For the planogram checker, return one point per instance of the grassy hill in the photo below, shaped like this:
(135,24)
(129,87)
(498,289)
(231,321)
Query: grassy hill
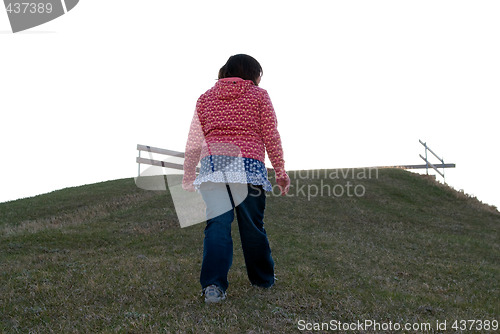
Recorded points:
(110,257)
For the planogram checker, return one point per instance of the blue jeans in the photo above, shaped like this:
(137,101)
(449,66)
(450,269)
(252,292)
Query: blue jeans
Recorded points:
(218,244)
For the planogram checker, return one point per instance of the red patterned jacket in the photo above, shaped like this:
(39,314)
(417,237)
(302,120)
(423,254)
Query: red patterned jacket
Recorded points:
(237,112)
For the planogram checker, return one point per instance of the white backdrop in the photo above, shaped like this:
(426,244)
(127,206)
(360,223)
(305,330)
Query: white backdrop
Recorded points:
(354,83)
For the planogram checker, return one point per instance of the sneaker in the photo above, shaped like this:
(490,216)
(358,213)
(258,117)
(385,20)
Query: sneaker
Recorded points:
(213,294)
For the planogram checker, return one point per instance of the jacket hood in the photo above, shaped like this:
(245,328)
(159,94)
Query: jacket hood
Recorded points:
(231,88)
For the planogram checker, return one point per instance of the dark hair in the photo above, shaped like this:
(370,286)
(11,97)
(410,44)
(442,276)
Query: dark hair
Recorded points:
(241,66)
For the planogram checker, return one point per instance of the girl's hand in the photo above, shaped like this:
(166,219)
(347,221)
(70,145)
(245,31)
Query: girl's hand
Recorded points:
(188,187)
(284,185)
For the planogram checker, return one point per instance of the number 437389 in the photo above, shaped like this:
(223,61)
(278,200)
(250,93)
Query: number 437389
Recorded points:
(29,7)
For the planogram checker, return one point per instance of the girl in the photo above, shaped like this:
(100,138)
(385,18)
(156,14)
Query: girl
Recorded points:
(233,126)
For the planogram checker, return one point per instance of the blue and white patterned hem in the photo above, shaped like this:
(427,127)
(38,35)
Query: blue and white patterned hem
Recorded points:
(227,169)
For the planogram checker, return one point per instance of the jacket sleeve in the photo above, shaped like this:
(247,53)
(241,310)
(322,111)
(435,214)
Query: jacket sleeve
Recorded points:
(192,151)
(271,137)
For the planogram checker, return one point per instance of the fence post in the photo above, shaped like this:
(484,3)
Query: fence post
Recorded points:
(444,179)
(426,163)
(139,166)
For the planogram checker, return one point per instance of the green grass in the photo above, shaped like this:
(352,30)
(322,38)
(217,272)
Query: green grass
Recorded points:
(110,257)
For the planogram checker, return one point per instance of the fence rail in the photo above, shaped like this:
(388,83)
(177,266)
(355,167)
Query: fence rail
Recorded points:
(160,151)
(449,165)
(145,148)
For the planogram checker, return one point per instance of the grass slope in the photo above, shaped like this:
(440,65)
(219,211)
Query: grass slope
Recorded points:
(110,257)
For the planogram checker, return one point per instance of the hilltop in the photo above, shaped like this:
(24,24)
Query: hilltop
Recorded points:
(390,246)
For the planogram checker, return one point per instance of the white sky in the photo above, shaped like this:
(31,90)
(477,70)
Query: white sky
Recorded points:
(354,83)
